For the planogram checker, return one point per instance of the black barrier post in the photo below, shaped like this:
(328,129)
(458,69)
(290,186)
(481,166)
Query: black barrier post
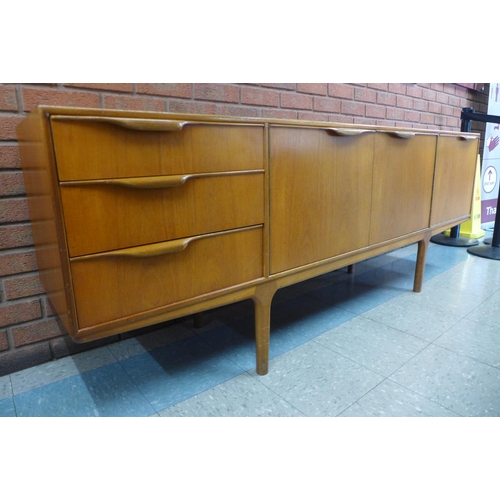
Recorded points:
(486,251)
(454,239)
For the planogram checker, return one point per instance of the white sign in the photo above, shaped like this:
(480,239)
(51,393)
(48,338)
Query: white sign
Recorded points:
(489,179)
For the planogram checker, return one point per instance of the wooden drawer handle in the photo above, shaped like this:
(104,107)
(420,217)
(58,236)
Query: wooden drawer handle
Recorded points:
(347,131)
(157,249)
(155,182)
(164,181)
(130,123)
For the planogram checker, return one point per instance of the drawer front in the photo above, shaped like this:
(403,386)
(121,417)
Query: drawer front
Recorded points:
(109,287)
(104,147)
(102,216)
(402,184)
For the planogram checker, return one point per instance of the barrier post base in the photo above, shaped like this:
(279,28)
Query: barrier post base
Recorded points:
(442,239)
(486,252)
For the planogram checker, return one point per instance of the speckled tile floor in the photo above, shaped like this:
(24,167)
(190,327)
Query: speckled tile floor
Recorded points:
(341,346)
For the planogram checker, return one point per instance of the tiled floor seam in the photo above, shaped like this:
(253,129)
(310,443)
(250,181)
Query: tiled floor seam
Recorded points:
(198,393)
(257,378)
(365,367)
(421,395)
(406,333)
(387,378)
(137,387)
(465,356)
(407,388)
(14,404)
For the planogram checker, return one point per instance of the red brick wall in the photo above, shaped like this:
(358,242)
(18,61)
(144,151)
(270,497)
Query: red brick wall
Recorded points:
(29,332)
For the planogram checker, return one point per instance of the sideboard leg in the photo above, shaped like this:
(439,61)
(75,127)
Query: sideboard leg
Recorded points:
(262,302)
(351,269)
(420,267)
(198,320)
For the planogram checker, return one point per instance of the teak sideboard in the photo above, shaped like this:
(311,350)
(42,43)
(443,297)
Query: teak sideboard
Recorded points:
(142,217)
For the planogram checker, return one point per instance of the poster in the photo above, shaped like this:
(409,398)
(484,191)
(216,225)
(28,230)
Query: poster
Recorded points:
(490,171)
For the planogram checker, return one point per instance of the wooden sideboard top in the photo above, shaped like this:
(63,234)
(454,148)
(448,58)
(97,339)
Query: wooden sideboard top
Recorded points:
(198,118)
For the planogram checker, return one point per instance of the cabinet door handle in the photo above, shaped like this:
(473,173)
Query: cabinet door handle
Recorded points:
(130,123)
(158,249)
(403,135)
(460,137)
(155,182)
(347,131)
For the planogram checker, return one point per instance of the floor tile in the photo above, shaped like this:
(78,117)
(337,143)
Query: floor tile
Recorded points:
(355,298)
(53,371)
(103,392)
(7,407)
(398,275)
(127,348)
(475,340)
(472,276)
(5,387)
(317,381)
(408,314)
(456,382)
(150,341)
(306,317)
(242,396)
(292,324)
(391,400)
(228,340)
(457,303)
(378,347)
(443,257)
(488,312)
(181,370)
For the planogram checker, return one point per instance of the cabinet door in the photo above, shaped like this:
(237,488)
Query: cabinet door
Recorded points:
(402,184)
(320,184)
(454,182)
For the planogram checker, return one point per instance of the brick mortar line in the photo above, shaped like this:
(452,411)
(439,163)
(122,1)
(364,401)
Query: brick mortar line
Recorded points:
(24,300)
(19,98)
(27,298)
(10,341)
(33,322)
(4,251)
(15,223)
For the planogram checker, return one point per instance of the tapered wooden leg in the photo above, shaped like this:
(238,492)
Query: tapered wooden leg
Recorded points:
(198,320)
(351,268)
(262,302)
(420,267)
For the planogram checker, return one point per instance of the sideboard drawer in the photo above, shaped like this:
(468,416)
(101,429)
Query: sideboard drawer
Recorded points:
(120,284)
(112,147)
(119,213)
